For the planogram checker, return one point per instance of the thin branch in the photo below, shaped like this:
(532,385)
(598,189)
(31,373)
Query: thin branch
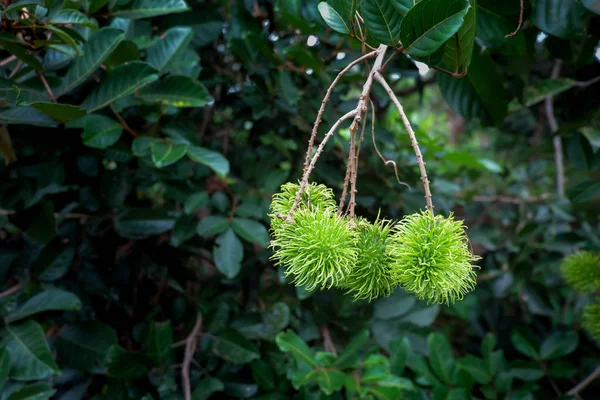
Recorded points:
(7,61)
(346,182)
(15,69)
(510,199)
(413,140)
(315,129)
(11,290)
(581,385)
(190,348)
(45,82)
(522,6)
(329,346)
(353,169)
(556,140)
(123,122)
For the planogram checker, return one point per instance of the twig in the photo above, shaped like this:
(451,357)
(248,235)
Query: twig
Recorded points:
(15,69)
(522,6)
(353,170)
(45,82)
(413,139)
(556,140)
(329,346)
(11,290)
(346,182)
(581,385)
(190,348)
(313,134)
(510,199)
(123,122)
(7,61)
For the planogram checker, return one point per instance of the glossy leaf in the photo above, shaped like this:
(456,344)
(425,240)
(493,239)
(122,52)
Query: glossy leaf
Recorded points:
(562,18)
(559,344)
(165,152)
(210,158)
(14,47)
(525,343)
(382,21)
(212,225)
(33,391)
(233,347)
(251,231)
(49,300)
(228,254)
(458,50)
(20,4)
(73,17)
(138,9)
(290,342)
(59,112)
(169,47)
(159,341)
(440,356)
(138,223)
(99,131)
(26,116)
(195,202)
(123,81)
(84,346)
(592,5)
(206,388)
(275,319)
(329,380)
(333,18)
(65,37)
(98,47)
(177,91)
(476,368)
(29,352)
(404,5)
(427,26)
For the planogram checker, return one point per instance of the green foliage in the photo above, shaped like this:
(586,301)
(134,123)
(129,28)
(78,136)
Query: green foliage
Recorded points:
(432,258)
(581,271)
(591,319)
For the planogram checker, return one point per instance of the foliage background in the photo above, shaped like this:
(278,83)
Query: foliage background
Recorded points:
(133,209)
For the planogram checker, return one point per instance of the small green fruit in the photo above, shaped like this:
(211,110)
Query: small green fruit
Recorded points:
(316,248)
(432,258)
(591,319)
(581,271)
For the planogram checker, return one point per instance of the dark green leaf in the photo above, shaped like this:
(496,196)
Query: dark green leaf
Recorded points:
(263,374)
(123,364)
(20,4)
(29,352)
(459,49)
(26,116)
(289,342)
(54,261)
(525,343)
(404,5)
(231,346)
(440,356)
(195,202)
(427,25)
(347,357)
(49,300)
(65,37)
(562,18)
(329,380)
(14,47)
(140,146)
(151,8)
(98,47)
(212,225)
(275,319)
(123,81)
(85,346)
(73,17)
(138,223)
(125,52)
(33,391)
(251,231)
(592,5)
(99,131)
(159,341)
(165,152)
(59,112)
(177,91)
(382,21)
(475,367)
(333,18)
(184,229)
(170,46)
(5,364)
(206,388)
(399,352)
(210,158)
(228,254)
(527,370)
(559,344)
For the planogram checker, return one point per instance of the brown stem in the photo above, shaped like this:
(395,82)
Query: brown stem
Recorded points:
(353,170)
(7,61)
(11,290)
(522,6)
(45,82)
(413,140)
(556,140)
(123,122)
(581,385)
(190,349)
(328,343)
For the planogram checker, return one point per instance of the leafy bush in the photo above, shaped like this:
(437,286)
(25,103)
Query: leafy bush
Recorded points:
(143,141)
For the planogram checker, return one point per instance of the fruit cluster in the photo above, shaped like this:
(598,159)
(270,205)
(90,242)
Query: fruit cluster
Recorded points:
(581,271)
(424,254)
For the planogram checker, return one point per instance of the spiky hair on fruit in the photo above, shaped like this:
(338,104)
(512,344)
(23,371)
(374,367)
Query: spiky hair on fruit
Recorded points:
(432,258)
(316,248)
(581,271)
(314,196)
(371,276)
(591,319)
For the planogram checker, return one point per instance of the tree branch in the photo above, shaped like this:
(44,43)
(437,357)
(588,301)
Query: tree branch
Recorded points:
(513,33)
(190,348)
(556,140)
(581,385)
(11,290)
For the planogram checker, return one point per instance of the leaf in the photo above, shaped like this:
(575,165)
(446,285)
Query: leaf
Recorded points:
(20,4)
(329,380)
(169,47)
(479,94)
(548,87)
(559,344)
(399,352)
(5,365)
(125,52)
(346,357)
(404,5)
(427,25)
(29,352)
(98,47)
(525,343)
(275,319)
(399,303)
(476,369)
(289,342)
(99,131)
(232,346)
(165,152)
(49,300)
(592,5)
(228,254)
(210,158)
(459,49)
(54,261)
(417,363)
(33,391)
(382,21)
(159,341)
(65,37)
(493,24)
(84,346)
(206,388)
(137,223)
(251,231)
(26,116)
(150,8)
(195,202)
(184,229)
(440,356)
(59,112)
(212,225)
(177,91)
(20,52)
(73,17)
(127,365)
(123,81)
(563,18)
(333,18)
(140,146)
(262,374)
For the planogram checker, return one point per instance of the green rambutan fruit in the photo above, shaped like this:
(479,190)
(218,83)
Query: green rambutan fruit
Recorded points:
(314,196)
(316,248)
(591,319)
(371,275)
(432,258)
(581,271)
